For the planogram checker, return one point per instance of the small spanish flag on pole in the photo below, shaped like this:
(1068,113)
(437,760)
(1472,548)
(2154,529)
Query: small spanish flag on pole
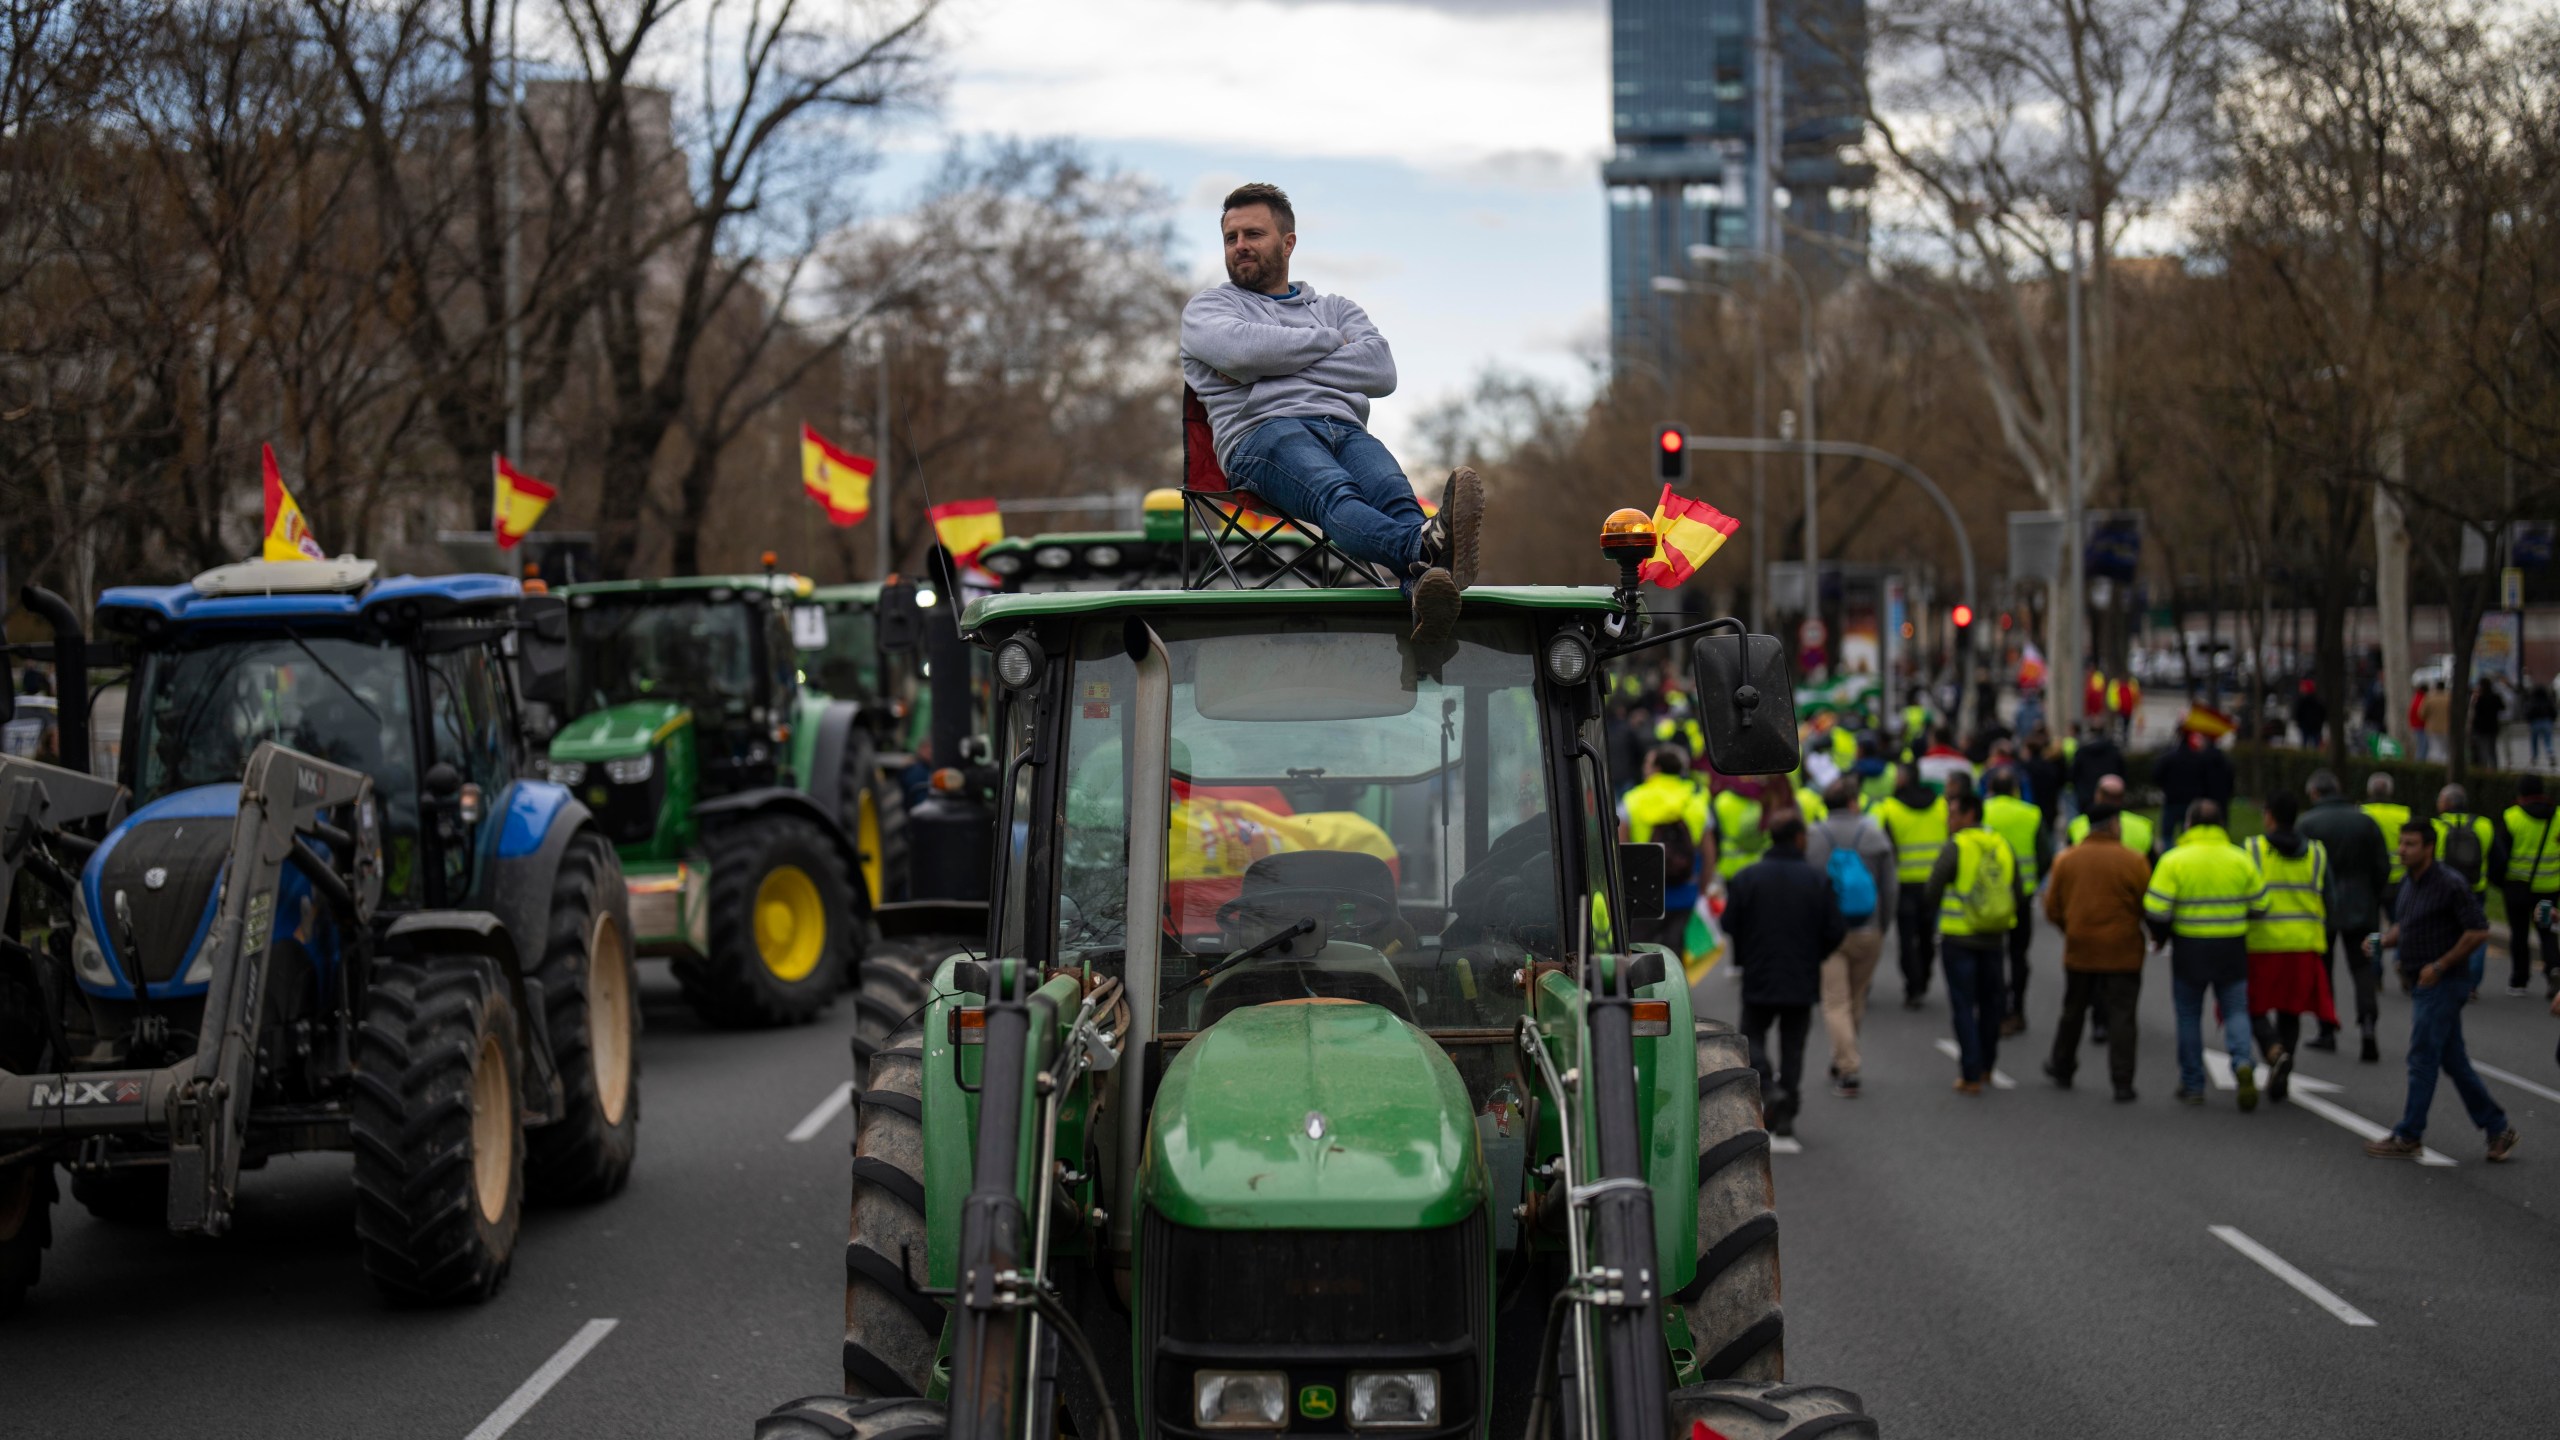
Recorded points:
(838,479)
(966,527)
(520,502)
(288,536)
(1685,533)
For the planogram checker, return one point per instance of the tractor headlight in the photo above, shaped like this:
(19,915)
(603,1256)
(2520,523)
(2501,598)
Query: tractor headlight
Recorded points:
(1239,1400)
(1102,557)
(566,772)
(1568,658)
(87,959)
(1053,557)
(1019,662)
(1395,1399)
(631,770)
(1001,564)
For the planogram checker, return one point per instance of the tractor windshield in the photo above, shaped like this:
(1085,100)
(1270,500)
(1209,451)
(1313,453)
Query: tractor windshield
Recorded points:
(701,652)
(848,665)
(1348,821)
(206,706)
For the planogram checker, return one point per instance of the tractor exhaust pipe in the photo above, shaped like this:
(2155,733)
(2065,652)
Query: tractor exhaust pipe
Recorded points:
(70,673)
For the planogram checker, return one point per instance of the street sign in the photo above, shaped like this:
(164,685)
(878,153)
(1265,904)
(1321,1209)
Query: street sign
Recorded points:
(2511,588)
(1812,634)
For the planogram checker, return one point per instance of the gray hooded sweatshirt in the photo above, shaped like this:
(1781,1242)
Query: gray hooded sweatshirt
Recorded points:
(1253,357)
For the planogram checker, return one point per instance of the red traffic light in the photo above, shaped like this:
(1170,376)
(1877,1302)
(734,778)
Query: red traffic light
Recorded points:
(1672,441)
(1963,616)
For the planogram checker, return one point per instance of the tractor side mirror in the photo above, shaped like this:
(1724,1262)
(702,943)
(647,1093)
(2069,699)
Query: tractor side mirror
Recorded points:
(901,620)
(442,783)
(1746,704)
(1643,872)
(542,648)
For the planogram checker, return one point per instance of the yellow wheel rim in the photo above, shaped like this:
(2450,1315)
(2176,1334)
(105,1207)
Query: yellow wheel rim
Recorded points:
(493,1113)
(866,827)
(609,1016)
(791,923)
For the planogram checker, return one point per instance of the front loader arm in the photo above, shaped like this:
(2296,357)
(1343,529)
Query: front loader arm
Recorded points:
(37,802)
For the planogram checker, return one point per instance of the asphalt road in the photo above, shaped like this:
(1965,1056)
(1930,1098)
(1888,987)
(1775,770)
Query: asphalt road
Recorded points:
(2032,1263)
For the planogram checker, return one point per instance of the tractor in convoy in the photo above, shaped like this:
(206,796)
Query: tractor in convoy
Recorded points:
(325,906)
(1305,1080)
(756,814)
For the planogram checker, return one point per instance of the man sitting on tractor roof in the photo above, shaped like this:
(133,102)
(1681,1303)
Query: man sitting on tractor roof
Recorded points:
(1286,375)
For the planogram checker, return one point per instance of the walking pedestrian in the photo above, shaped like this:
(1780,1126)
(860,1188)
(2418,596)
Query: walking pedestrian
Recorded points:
(1668,809)
(2134,829)
(1855,853)
(1741,813)
(1914,817)
(2096,757)
(2094,897)
(1977,888)
(2022,825)
(2463,840)
(2488,713)
(2196,770)
(2202,894)
(2526,861)
(2359,873)
(2541,708)
(2437,713)
(2287,936)
(2437,926)
(1782,918)
(2387,816)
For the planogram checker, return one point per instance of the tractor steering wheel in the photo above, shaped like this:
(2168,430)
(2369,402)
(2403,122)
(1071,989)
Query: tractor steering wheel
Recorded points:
(1267,910)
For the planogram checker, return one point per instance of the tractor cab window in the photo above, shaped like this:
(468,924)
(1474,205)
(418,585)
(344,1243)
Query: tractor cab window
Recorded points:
(700,653)
(1348,820)
(849,665)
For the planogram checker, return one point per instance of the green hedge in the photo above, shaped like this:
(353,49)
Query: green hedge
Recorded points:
(2262,770)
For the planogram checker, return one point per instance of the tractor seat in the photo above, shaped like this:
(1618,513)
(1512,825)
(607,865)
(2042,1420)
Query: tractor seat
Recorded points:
(1370,979)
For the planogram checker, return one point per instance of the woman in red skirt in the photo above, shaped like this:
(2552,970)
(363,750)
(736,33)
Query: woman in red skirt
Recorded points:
(2288,933)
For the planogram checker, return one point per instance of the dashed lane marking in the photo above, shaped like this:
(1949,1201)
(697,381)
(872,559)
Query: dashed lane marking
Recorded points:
(819,1119)
(1785,1145)
(2274,1264)
(539,1384)
(2518,1081)
(2306,1092)
(1999,1078)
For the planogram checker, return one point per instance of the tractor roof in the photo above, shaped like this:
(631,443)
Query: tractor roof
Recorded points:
(865,593)
(781,583)
(995,609)
(341,589)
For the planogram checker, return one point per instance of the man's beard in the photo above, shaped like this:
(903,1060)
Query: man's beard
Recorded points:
(1248,272)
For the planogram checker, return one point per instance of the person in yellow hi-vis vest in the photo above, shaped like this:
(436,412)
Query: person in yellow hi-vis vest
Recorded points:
(1914,818)
(2527,864)
(2022,825)
(2463,840)
(1979,891)
(2134,830)
(1740,831)
(2387,817)
(2202,894)
(2288,939)
(1668,809)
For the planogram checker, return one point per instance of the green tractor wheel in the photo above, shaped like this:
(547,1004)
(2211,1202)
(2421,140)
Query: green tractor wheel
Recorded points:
(439,1132)
(875,810)
(589,992)
(893,983)
(1732,1304)
(1744,1410)
(890,1330)
(783,924)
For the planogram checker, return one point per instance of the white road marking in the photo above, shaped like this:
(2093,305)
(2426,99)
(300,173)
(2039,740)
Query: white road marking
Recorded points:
(2347,1119)
(539,1384)
(2217,1066)
(1785,1145)
(1999,1078)
(2521,1083)
(825,1115)
(2274,1264)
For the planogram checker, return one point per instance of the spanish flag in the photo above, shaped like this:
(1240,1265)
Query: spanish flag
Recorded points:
(838,479)
(966,527)
(2203,719)
(1247,519)
(1685,533)
(288,537)
(520,502)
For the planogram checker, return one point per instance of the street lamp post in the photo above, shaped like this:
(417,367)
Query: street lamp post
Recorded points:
(1812,431)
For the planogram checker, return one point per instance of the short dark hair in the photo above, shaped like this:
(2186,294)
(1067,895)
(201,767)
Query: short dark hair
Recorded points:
(1841,793)
(1964,799)
(2204,812)
(2421,829)
(1669,760)
(2284,808)
(1259,193)
(1786,827)
(2003,780)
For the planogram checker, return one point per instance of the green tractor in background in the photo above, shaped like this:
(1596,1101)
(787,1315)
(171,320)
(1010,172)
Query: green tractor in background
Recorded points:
(751,807)
(1308,1072)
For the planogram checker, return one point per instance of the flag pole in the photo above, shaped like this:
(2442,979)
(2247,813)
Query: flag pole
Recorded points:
(883,502)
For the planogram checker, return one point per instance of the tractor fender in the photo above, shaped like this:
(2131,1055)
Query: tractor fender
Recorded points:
(480,932)
(729,809)
(840,743)
(538,819)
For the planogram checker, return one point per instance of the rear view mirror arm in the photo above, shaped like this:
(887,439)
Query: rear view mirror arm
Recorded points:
(1612,652)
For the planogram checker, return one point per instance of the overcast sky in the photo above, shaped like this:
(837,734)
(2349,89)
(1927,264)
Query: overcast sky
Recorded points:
(1442,154)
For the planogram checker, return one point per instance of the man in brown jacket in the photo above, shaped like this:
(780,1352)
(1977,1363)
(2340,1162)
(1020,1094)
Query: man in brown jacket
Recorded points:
(2094,897)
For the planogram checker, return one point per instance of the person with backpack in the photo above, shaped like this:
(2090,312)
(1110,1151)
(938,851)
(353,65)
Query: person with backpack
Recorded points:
(1781,918)
(1977,888)
(1668,809)
(2094,897)
(2015,820)
(2526,860)
(1856,854)
(2463,840)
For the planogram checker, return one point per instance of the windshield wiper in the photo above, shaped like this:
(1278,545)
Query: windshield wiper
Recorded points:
(332,674)
(1254,951)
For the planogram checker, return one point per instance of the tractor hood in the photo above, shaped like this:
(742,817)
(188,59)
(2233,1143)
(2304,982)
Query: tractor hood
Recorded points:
(620,730)
(1323,1115)
(167,860)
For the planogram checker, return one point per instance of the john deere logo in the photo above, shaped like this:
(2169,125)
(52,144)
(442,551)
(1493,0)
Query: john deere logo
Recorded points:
(1316,1402)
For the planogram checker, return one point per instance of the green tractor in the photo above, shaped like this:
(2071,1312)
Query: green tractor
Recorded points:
(1306,1071)
(751,809)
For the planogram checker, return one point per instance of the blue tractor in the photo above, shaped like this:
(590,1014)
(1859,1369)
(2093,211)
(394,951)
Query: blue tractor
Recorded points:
(325,906)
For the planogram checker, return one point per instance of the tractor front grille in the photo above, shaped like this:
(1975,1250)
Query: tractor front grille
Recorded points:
(628,814)
(187,857)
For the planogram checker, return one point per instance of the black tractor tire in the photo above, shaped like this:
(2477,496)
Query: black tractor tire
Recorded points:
(591,1000)
(864,779)
(890,1331)
(27,1193)
(125,1197)
(736,986)
(895,979)
(439,1129)
(1732,1303)
(842,1417)
(1745,1410)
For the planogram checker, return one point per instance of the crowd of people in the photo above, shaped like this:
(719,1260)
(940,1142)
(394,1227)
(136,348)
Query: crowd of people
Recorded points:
(1956,852)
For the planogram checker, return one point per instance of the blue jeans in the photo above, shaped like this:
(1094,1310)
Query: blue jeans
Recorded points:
(2540,730)
(2435,1043)
(1337,477)
(1977,996)
(2188,996)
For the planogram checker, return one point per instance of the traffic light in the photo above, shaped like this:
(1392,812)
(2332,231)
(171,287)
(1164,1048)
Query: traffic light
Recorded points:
(1963,616)
(1671,454)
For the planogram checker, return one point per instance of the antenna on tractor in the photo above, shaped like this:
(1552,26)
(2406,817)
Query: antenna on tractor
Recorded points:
(950,577)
